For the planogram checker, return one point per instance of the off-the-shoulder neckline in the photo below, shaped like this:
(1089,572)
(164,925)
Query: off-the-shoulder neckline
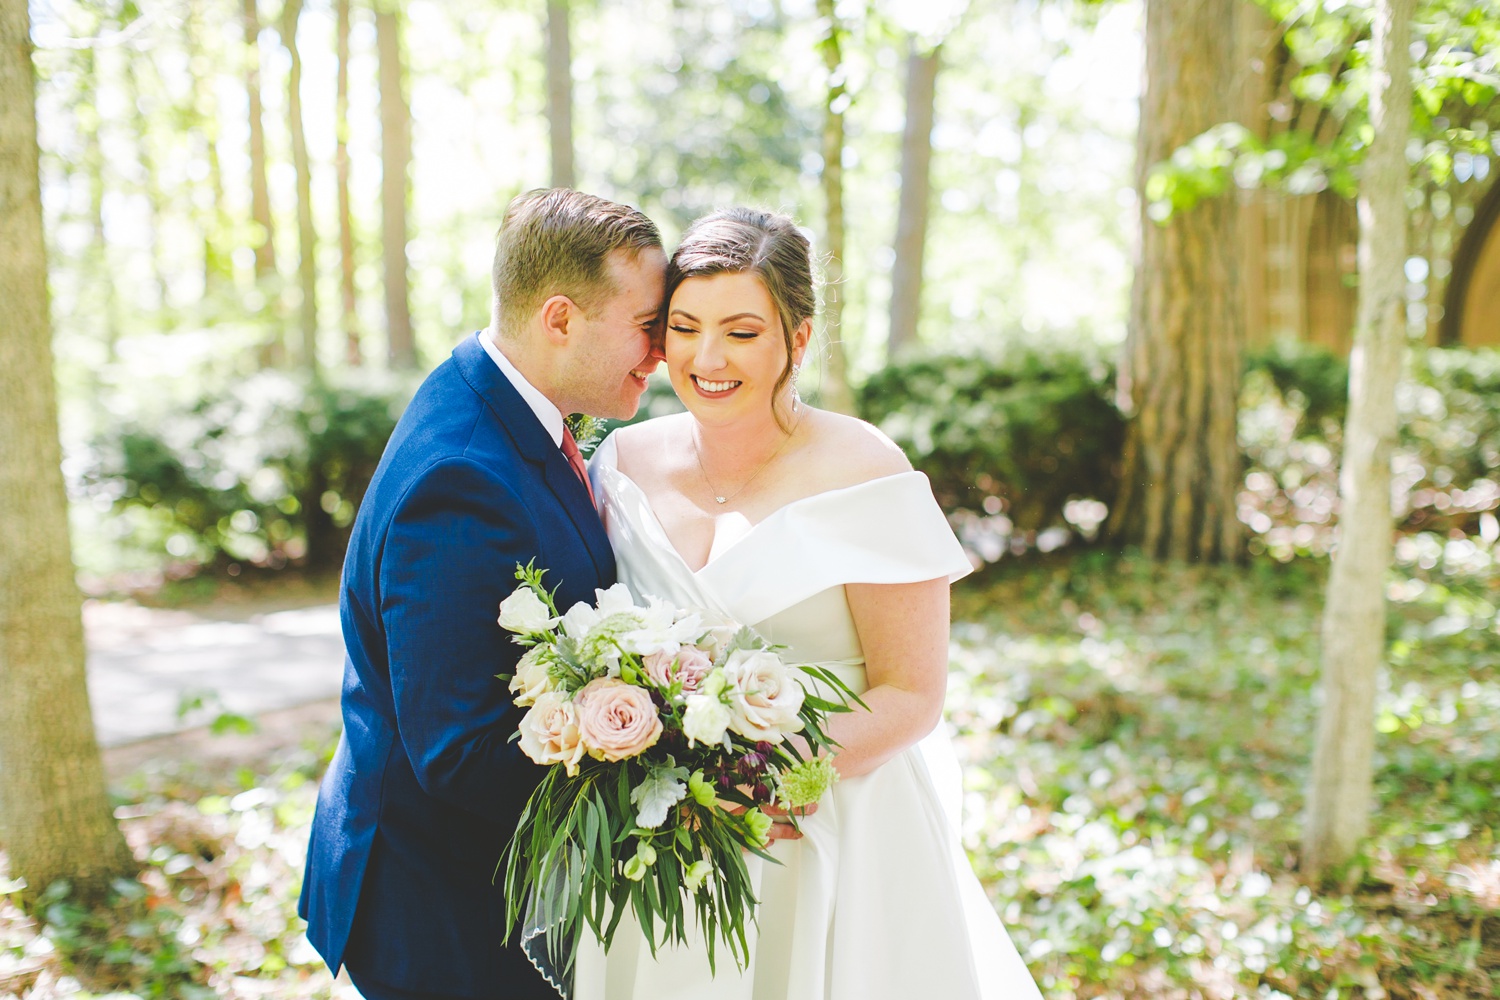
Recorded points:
(666,539)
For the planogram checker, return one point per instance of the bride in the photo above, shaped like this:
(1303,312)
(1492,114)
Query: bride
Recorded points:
(812,528)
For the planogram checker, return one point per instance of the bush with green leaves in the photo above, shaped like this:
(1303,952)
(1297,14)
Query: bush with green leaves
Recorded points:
(1445,465)
(1013,438)
(265,471)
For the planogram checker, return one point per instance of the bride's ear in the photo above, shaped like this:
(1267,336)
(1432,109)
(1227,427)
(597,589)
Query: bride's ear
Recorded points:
(801,337)
(555,313)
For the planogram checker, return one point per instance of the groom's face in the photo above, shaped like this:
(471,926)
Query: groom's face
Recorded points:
(613,354)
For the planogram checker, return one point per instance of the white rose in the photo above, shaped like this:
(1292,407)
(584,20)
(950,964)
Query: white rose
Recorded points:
(549,732)
(524,612)
(705,719)
(764,696)
(531,679)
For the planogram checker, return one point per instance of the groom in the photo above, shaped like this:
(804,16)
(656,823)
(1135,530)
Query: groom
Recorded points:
(426,786)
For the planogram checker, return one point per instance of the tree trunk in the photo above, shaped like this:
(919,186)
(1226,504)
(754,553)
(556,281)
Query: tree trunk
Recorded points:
(55,819)
(260,193)
(307,249)
(560,93)
(834,386)
(346,216)
(1180,373)
(1354,614)
(91,124)
(395,156)
(203,113)
(916,194)
(140,126)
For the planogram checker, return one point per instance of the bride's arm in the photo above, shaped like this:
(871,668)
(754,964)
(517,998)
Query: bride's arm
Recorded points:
(904,631)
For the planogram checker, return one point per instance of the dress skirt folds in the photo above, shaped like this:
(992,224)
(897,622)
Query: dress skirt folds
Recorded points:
(877,900)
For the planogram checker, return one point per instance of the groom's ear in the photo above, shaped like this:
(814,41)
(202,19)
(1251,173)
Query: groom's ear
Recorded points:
(557,312)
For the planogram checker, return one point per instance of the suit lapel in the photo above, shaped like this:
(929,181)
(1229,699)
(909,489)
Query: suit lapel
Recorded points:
(536,447)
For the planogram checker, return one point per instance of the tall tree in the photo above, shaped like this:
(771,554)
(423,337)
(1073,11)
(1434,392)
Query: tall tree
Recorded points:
(260,192)
(307,248)
(1180,373)
(91,125)
(835,382)
(137,101)
(560,93)
(55,819)
(350,313)
(916,195)
(1354,613)
(395,159)
(203,116)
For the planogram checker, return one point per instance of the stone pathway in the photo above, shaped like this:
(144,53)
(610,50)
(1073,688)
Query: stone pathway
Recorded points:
(148,668)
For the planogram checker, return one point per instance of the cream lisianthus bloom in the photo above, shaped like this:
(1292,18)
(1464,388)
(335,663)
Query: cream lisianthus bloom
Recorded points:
(531,679)
(764,696)
(705,719)
(525,613)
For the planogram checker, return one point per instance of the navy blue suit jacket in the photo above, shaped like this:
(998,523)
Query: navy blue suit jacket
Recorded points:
(426,785)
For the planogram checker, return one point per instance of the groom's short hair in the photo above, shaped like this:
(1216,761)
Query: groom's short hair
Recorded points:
(556,241)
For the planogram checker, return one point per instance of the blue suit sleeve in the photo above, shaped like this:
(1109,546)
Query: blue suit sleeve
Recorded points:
(448,561)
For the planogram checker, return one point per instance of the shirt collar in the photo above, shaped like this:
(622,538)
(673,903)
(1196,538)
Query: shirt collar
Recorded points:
(546,411)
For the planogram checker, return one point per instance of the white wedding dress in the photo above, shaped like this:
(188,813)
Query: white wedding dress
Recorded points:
(877,900)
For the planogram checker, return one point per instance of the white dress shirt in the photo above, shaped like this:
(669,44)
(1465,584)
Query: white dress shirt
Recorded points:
(546,411)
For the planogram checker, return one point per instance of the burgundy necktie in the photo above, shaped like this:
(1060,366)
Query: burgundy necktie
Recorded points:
(575,459)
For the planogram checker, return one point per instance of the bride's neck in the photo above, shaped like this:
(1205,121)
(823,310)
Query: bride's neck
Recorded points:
(745,441)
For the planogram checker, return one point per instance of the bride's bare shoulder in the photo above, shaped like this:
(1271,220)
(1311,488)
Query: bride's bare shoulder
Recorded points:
(638,445)
(853,450)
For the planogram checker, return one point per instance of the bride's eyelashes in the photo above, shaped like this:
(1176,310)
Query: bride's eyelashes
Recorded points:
(682,329)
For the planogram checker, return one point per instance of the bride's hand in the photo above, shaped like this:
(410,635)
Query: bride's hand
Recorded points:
(781,823)
(781,827)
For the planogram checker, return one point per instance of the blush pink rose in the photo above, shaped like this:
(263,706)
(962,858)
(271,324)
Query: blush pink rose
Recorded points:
(688,665)
(615,719)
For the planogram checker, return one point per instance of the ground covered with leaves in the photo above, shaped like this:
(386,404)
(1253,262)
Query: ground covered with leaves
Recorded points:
(1136,740)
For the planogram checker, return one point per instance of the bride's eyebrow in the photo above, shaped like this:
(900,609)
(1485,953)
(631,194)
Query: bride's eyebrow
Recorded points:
(685,315)
(739,316)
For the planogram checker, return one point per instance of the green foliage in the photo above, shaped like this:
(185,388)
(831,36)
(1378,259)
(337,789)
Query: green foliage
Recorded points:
(263,471)
(129,940)
(1021,433)
(1137,740)
(1320,130)
(1291,427)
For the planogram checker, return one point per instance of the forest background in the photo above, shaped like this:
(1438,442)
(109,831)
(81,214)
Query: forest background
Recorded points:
(265,221)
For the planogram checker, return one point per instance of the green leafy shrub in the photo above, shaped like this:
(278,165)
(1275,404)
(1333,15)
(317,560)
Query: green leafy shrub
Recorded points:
(1028,441)
(1291,428)
(268,471)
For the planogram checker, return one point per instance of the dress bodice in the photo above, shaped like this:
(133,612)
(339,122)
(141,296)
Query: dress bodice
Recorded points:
(785,575)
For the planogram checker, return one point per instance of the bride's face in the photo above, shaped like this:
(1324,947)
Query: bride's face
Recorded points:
(725,349)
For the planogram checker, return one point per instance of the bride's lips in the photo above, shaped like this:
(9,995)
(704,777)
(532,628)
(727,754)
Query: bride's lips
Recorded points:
(712,389)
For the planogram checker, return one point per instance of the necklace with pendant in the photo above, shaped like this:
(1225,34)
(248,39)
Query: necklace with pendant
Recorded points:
(762,468)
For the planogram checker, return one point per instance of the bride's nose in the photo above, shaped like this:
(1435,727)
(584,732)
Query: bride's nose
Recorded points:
(710,354)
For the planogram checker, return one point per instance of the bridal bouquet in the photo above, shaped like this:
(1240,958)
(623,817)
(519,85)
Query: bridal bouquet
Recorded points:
(665,735)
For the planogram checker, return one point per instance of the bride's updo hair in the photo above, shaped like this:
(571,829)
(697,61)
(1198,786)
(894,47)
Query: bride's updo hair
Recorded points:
(768,245)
